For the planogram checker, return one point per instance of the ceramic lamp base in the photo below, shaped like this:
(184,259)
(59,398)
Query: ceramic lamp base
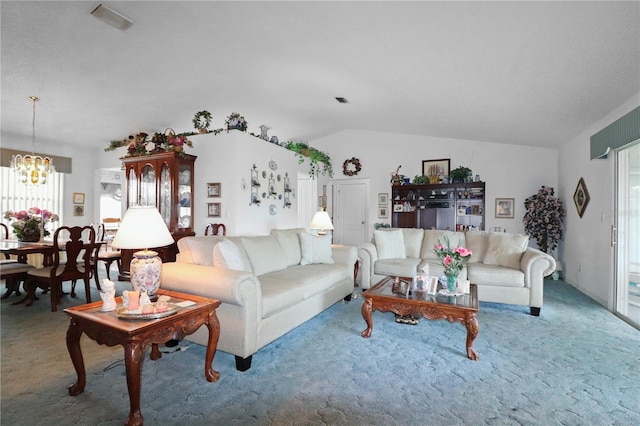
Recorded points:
(146,270)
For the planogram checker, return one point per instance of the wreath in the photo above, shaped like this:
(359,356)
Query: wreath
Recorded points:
(351,166)
(202,120)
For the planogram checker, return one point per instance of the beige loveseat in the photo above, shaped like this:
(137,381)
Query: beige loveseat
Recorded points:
(502,265)
(268,284)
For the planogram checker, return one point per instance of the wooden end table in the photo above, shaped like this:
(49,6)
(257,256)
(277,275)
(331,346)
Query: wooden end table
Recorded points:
(385,297)
(134,335)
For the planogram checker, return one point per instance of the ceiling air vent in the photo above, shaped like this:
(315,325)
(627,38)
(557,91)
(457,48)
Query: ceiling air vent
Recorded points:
(342,100)
(112,17)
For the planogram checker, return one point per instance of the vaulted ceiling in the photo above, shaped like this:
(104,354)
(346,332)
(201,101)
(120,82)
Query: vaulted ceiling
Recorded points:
(530,73)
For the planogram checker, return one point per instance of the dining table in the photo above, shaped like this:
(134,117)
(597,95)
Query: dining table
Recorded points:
(21,249)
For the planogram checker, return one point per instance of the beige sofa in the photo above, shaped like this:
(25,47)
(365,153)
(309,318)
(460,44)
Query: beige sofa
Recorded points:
(268,284)
(502,265)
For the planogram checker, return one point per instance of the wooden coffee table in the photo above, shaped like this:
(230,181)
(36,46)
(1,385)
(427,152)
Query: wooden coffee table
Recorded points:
(385,296)
(134,335)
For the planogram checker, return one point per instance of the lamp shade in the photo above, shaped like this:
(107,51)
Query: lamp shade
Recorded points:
(142,227)
(321,221)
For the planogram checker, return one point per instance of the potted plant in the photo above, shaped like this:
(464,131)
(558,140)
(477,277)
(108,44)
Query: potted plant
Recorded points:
(237,122)
(202,121)
(544,217)
(460,174)
(315,156)
(420,180)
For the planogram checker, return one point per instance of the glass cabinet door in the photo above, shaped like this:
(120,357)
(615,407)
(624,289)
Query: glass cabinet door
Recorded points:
(148,186)
(184,196)
(133,188)
(165,194)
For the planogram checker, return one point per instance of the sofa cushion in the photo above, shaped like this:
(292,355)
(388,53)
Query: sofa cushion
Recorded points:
(477,242)
(313,279)
(289,240)
(389,244)
(494,275)
(264,253)
(315,249)
(412,241)
(434,236)
(278,294)
(228,255)
(198,250)
(505,249)
(406,267)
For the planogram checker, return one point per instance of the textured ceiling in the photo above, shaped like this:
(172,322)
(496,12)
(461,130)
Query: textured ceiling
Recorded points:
(509,72)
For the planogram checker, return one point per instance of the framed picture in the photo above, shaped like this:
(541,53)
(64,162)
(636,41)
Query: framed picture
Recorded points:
(432,285)
(213,190)
(78,210)
(397,208)
(383,199)
(436,167)
(504,208)
(383,212)
(213,209)
(581,197)
(78,198)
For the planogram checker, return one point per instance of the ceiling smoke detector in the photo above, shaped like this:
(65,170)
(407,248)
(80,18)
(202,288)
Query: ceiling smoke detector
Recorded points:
(112,17)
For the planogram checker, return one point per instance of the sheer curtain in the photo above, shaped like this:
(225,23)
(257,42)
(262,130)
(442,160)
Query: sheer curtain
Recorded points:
(17,196)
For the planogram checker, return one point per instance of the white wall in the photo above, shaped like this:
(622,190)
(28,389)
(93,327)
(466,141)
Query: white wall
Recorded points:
(510,171)
(586,251)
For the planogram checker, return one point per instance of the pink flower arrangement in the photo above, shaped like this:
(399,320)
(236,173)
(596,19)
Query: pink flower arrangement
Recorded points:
(29,220)
(452,258)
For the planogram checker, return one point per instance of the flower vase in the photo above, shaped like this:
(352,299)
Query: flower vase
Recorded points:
(451,283)
(30,235)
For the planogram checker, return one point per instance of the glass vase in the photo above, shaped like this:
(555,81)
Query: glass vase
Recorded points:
(451,283)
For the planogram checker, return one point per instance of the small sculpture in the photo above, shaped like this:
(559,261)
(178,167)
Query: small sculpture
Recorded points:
(108,295)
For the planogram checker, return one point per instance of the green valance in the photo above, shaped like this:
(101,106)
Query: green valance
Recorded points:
(62,164)
(616,135)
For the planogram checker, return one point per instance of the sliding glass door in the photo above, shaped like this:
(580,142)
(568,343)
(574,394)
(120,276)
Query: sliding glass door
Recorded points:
(627,234)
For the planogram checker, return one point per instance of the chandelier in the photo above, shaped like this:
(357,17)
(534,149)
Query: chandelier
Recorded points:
(32,169)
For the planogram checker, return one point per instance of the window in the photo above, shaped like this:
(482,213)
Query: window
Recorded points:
(17,196)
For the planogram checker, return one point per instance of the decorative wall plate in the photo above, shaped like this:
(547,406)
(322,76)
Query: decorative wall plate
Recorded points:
(273,165)
(273,209)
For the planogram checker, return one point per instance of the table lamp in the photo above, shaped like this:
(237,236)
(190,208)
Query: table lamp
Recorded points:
(143,227)
(321,221)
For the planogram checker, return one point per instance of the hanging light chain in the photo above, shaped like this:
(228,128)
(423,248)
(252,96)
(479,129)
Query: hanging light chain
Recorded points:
(33,125)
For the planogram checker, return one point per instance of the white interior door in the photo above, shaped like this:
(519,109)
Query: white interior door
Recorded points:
(351,219)
(307,197)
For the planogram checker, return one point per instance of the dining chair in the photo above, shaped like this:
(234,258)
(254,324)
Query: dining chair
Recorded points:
(107,253)
(215,229)
(11,270)
(76,242)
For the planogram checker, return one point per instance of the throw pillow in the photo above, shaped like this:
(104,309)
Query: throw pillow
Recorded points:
(290,243)
(229,256)
(505,250)
(315,249)
(477,242)
(265,254)
(390,244)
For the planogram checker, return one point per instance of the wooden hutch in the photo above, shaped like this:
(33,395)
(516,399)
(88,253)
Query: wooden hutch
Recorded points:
(454,206)
(163,180)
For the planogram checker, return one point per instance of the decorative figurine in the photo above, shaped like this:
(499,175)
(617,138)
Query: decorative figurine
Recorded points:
(108,295)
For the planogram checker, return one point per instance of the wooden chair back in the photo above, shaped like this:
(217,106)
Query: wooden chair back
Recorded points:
(215,229)
(5,231)
(79,243)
